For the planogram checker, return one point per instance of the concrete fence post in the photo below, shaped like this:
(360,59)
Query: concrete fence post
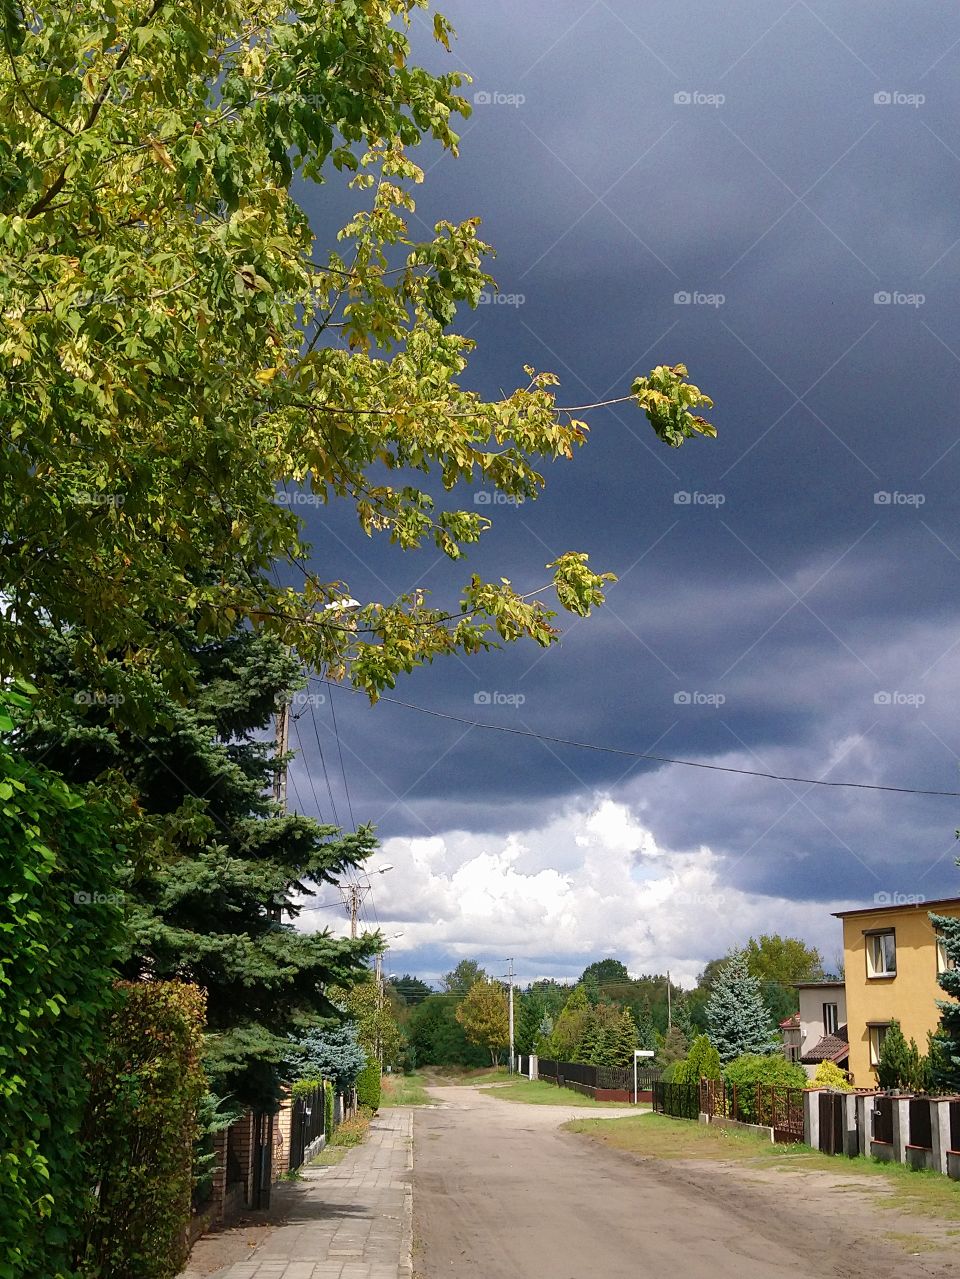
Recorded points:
(865,1104)
(940,1131)
(851,1135)
(534,1066)
(811,1117)
(901,1127)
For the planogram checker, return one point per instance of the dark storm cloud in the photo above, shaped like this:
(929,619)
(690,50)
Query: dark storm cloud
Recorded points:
(797,245)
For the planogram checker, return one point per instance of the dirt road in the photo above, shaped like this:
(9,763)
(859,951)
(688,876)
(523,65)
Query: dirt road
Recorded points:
(502,1192)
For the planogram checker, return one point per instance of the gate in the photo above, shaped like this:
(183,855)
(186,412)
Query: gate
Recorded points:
(262,1159)
(832,1107)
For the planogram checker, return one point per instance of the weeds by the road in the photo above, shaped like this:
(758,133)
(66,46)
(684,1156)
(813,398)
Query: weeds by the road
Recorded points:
(542,1093)
(404,1090)
(659,1137)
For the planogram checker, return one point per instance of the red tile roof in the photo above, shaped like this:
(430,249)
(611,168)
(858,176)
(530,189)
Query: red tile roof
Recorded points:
(830,1048)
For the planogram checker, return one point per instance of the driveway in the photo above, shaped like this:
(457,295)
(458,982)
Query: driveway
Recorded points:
(502,1192)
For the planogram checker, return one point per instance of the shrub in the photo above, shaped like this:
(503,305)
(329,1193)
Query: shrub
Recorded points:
(703,1062)
(59,929)
(139,1130)
(829,1075)
(368,1085)
(328,1108)
(330,1054)
(304,1087)
(353,1130)
(750,1069)
(895,1065)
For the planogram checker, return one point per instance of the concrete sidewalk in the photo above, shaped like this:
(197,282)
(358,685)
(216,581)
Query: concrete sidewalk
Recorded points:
(352,1221)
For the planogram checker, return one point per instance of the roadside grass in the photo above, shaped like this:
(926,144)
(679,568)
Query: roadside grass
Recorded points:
(540,1093)
(345,1136)
(404,1090)
(454,1076)
(660,1137)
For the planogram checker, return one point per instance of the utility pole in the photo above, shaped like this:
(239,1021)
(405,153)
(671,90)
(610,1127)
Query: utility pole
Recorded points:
(355,894)
(282,723)
(282,719)
(669,1007)
(512,1055)
(379,979)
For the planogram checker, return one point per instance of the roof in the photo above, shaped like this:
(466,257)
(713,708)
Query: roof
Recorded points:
(830,1048)
(815,985)
(791,1023)
(877,907)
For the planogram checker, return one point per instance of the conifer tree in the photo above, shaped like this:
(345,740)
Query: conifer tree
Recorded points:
(945,1054)
(737,1017)
(624,1040)
(215,870)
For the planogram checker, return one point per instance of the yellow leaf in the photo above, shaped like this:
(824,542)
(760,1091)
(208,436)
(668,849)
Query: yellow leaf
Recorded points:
(161,154)
(266,375)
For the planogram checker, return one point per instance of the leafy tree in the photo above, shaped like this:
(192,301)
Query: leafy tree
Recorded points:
(437,1038)
(829,1075)
(736,1014)
(377,1029)
(333,1054)
(461,979)
(945,1054)
(894,1066)
(778,962)
(212,898)
(552,994)
(570,1026)
(167,354)
(413,990)
(483,1013)
(602,973)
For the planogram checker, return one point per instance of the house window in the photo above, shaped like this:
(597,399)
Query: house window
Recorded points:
(882,954)
(877,1035)
(830,1020)
(944,961)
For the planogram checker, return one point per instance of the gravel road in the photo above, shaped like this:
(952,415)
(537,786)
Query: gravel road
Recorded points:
(501,1192)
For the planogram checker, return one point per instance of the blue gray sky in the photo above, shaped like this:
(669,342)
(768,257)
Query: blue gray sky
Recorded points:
(767,192)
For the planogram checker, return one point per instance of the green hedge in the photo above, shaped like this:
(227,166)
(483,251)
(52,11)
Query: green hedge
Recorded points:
(328,1108)
(368,1085)
(140,1127)
(60,925)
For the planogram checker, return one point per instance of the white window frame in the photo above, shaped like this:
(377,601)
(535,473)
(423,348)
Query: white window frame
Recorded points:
(876,1034)
(944,963)
(831,1019)
(877,950)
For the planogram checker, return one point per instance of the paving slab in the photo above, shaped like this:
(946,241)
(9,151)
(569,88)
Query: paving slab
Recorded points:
(350,1221)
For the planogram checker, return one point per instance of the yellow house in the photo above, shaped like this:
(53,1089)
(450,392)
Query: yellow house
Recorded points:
(892,958)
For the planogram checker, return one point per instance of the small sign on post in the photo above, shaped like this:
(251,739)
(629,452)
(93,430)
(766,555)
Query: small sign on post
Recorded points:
(639,1052)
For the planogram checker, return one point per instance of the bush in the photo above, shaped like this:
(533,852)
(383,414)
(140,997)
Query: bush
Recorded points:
(895,1066)
(353,1130)
(304,1087)
(829,1075)
(702,1062)
(59,928)
(368,1085)
(139,1130)
(330,1054)
(750,1069)
(328,1108)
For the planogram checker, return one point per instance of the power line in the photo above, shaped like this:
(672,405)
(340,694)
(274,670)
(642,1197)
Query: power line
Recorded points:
(326,775)
(660,759)
(316,800)
(343,771)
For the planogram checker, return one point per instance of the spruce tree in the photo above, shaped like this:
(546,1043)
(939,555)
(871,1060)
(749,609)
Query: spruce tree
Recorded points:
(214,869)
(624,1040)
(945,1055)
(897,1062)
(646,1031)
(737,1017)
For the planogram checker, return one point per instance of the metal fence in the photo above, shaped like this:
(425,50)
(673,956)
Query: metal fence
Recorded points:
(768,1105)
(306,1124)
(682,1101)
(883,1119)
(575,1074)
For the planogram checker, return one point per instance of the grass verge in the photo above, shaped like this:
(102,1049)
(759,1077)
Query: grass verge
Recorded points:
(542,1093)
(404,1090)
(659,1137)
